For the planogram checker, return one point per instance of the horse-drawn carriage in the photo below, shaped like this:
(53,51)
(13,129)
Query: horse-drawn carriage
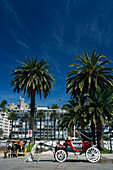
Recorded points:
(87,147)
(14,148)
(61,151)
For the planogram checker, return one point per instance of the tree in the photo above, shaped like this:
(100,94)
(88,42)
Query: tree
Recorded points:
(3,103)
(100,108)
(54,115)
(1,132)
(55,106)
(33,77)
(90,73)
(25,118)
(75,113)
(41,115)
(13,117)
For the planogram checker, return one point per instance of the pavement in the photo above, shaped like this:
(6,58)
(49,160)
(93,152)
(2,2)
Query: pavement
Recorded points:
(46,162)
(103,156)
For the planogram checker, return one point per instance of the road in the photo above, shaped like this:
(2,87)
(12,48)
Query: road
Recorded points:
(46,163)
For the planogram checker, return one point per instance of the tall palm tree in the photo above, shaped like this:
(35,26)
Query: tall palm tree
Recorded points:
(33,76)
(100,108)
(90,73)
(25,118)
(54,115)
(41,115)
(13,117)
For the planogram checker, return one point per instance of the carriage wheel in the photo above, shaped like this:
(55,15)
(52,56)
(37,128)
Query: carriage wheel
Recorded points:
(60,155)
(93,154)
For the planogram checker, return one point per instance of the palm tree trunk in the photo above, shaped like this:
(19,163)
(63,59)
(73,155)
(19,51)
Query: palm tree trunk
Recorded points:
(51,129)
(58,132)
(70,130)
(32,115)
(44,128)
(82,124)
(93,131)
(62,133)
(11,130)
(100,134)
(54,128)
(15,126)
(47,125)
(40,128)
(25,129)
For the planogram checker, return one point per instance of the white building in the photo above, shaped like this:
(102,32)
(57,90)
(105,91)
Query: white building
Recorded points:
(47,125)
(48,129)
(21,105)
(4,124)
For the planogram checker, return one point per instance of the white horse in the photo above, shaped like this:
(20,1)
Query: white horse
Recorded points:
(41,147)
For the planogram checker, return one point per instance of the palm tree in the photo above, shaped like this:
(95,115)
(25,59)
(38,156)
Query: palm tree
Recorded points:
(33,77)
(41,115)
(13,117)
(75,113)
(3,103)
(90,73)
(100,108)
(61,116)
(55,106)
(25,118)
(1,132)
(54,115)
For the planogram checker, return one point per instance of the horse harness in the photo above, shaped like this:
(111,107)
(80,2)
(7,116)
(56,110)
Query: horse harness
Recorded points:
(45,145)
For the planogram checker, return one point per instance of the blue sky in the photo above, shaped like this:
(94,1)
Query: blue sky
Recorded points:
(56,30)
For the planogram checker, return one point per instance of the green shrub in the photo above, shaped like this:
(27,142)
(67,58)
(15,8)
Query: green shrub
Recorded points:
(105,151)
(29,147)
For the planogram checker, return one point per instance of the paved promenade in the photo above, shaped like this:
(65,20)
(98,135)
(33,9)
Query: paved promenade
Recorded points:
(46,162)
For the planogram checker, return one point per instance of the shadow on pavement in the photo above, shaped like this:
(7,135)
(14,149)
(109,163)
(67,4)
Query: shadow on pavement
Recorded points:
(69,160)
(76,161)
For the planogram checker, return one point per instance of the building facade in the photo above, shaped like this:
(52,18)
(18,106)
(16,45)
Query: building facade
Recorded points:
(5,124)
(44,128)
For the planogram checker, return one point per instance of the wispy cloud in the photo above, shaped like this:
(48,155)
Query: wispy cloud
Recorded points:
(9,10)
(18,40)
(54,63)
(12,17)
(70,4)
(58,34)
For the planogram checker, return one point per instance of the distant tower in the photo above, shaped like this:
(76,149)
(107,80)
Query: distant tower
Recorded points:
(21,101)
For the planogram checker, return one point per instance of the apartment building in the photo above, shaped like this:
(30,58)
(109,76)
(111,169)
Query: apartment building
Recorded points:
(5,124)
(48,128)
